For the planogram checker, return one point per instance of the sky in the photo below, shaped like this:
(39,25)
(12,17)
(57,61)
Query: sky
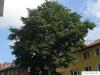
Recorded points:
(15,9)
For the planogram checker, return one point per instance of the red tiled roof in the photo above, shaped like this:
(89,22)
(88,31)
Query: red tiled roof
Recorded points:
(5,65)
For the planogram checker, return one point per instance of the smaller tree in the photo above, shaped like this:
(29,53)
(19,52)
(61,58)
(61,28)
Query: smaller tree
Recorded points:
(51,35)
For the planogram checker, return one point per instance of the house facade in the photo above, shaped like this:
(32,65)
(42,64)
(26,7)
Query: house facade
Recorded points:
(88,59)
(13,70)
(10,69)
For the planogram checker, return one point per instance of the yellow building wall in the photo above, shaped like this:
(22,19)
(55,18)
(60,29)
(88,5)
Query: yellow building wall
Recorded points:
(92,61)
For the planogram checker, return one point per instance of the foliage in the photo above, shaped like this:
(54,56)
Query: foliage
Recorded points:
(49,38)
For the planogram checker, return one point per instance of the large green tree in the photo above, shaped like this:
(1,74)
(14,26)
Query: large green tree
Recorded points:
(49,38)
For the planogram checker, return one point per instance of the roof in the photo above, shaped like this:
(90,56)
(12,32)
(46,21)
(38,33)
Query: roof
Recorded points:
(5,65)
(96,42)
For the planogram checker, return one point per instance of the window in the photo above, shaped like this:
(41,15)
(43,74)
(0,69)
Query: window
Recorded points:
(22,74)
(86,55)
(88,68)
(98,67)
(97,51)
(8,73)
(16,72)
(2,73)
(75,72)
(12,72)
(29,69)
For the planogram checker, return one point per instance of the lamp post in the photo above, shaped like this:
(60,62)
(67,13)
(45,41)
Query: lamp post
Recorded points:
(1,7)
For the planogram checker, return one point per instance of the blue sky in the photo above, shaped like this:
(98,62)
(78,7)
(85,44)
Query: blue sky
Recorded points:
(14,9)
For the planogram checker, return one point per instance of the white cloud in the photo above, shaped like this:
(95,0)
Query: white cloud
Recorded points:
(14,9)
(92,11)
(93,8)
(93,34)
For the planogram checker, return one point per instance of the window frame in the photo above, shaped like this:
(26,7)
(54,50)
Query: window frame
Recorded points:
(87,55)
(75,70)
(8,73)
(88,68)
(98,67)
(96,53)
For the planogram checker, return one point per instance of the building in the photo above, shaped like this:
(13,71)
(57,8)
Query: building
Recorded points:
(14,71)
(88,59)
(1,7)
(10,69)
